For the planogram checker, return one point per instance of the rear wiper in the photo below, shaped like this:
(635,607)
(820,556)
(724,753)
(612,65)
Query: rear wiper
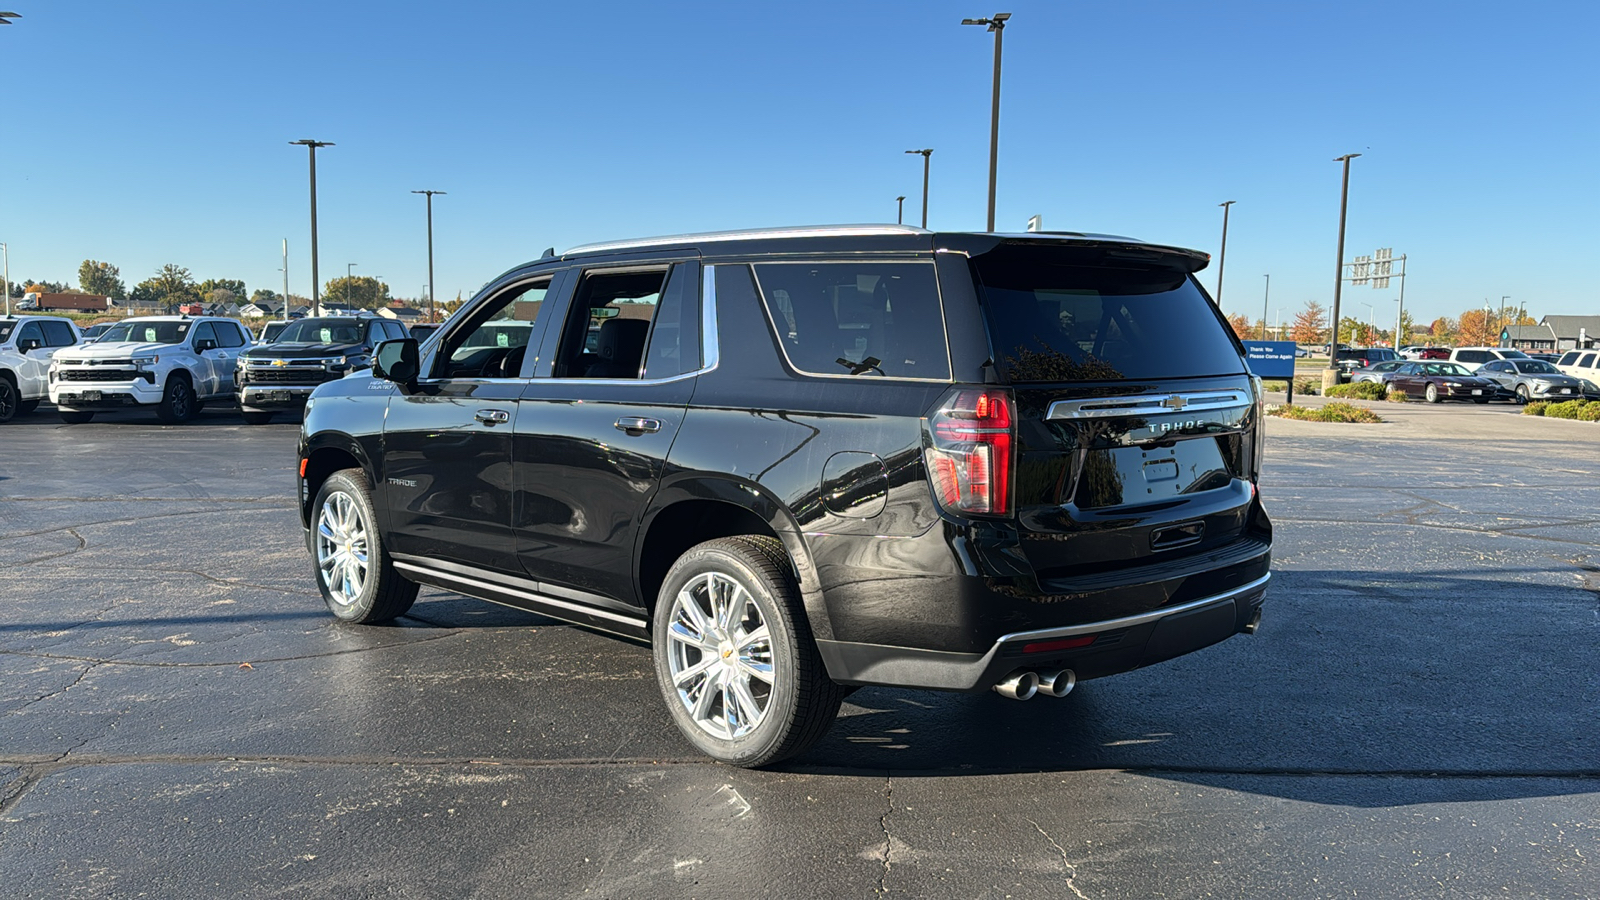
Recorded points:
(861,368)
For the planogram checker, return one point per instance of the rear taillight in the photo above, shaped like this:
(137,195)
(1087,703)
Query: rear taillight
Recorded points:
(1258,444)
(969,457)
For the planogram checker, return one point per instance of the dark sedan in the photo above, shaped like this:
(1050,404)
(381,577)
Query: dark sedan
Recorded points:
(1532,379)
(1435,381)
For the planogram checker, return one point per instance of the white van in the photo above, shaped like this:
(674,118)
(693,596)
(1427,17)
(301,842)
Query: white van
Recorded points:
(1473,357)
(1581,364)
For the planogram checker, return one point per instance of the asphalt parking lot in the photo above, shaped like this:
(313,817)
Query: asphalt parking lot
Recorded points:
(179,717)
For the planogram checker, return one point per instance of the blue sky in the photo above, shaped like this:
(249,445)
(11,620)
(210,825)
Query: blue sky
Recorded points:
(148,133)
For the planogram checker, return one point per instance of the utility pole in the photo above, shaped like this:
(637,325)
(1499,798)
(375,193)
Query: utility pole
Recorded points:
(286,277)
(1330,375)
(997,25)
(6,252)
(900,210)
(316,296)
(1222,257)
(430,249)
(926,155)
(1266,292)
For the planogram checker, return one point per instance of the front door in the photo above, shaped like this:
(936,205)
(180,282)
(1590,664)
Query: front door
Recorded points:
(446,474)
(597,424)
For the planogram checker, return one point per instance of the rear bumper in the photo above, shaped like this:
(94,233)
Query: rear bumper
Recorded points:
(1091,650)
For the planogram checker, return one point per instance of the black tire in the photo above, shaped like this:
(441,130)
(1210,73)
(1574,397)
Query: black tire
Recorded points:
(177,401)
(74,417)
(1432,393)
(256,418)
(1522,394)
(26,407)
(800,703)
(382,593)
(9,399)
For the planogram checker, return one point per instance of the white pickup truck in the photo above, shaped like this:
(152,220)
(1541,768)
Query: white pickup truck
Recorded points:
(174,363)
(26,345)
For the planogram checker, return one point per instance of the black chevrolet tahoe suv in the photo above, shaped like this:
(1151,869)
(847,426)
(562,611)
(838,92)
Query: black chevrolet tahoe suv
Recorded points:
(279,377)
(797,461)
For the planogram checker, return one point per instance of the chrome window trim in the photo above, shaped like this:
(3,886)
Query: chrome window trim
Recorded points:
(1149,404)
(803,231)
(766,308)
(1260,584)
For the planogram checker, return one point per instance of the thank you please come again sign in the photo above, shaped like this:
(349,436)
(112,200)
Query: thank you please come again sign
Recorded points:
(1270,359)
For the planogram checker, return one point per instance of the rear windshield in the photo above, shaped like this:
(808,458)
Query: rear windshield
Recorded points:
(1074,315)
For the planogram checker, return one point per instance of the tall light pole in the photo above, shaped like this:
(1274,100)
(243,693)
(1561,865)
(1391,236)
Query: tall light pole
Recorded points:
(286,277)
(1330,376)
(6,252)
(900,210)
(926,156)
(1265,293)
(430,249)
(1399,315)
(316,296)
(997,24)
(349,283)
(1371,315)
(1222,257)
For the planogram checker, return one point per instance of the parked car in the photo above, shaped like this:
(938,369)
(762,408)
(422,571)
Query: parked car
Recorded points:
(1532,379)
(1380,372)
(271,330)
(27,344)
(1473,357)
(93,332)
(279,377)
(1580,364)
(1361,357)
(805,459)
(1435,381)
(1434,353)
(1551,358)
(173,363)
(422,330)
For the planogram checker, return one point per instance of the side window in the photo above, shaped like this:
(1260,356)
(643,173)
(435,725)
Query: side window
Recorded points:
(1587,361)
(857,318)
(1472,356)
(608,327)
(205,332)
(493,341)
(230,335)
(1495,367)
(31,331)
(393,331)
(675,335)
(58,334)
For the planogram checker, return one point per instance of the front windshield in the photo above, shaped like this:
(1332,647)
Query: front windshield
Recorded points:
(1446,369)
(322,331)
(163,332)
(1537,367)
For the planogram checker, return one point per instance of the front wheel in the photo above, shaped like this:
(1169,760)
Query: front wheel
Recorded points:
(1432,393)
(734,655)
(74,417)
(9,399)
(1522,394)
(177,401)
(357,580)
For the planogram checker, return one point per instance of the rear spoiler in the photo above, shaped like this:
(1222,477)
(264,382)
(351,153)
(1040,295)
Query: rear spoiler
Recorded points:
(1106,245)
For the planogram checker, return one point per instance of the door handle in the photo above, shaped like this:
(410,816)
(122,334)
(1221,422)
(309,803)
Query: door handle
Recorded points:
(492,416)
(636,426)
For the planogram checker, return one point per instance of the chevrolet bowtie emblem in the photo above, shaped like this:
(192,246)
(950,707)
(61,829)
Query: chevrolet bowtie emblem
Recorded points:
(1175,402)
(280,362)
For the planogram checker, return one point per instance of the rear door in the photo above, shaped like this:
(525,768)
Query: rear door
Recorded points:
(1135,411)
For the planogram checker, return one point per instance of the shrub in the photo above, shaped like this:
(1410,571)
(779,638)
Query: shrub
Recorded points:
(1568,409)
(1590,413)
(1333,412)
(1307,386)
(1395,396)
(1359,390)
(1535,409)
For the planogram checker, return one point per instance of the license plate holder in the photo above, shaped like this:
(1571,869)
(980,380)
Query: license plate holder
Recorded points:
(92,396)
(1477,392)
(281,396)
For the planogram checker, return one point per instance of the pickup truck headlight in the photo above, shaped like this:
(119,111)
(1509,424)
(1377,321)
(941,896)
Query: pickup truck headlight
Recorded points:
(337,363)
(145,362)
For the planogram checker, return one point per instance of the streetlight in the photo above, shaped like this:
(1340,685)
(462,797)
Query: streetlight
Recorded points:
(1399,315)
(900,210)
(5,19)
(316,296)
(1330,375)
(997,25)
(430,249)
(926,155)
(6,252)
(1371,313)
(1222,257)
(1265,292)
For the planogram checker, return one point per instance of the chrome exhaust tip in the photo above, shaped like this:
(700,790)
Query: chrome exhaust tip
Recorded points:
(1254,623)
(1020,685)
(1057,683)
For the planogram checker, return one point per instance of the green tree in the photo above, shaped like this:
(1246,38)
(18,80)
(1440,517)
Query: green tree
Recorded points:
(361,291)
(171,286)
(265,299)
(231,285)
(101,278)
(1310,324)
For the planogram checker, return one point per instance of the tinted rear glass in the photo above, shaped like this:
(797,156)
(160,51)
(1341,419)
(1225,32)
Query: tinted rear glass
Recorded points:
(858,318)
(1077,315)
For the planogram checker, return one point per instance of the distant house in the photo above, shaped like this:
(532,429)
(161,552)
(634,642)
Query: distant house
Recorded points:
(1533,338)
(1572,332)
(253,311)
(406,314)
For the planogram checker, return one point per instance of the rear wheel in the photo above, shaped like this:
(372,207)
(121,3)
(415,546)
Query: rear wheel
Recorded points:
(177,401)
(74,417)
(357,580)
(9,399)
(734,655)
(1432,393)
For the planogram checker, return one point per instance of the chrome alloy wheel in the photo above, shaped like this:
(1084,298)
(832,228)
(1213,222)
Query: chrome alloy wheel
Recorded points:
(720,656)
(342,548)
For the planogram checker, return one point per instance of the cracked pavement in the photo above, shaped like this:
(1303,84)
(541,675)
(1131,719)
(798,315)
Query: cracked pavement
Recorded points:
(180,717)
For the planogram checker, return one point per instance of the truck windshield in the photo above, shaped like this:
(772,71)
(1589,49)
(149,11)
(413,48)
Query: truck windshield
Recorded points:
(322,331)
(165,332)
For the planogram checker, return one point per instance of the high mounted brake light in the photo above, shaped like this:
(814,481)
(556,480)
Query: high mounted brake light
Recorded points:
(969,457)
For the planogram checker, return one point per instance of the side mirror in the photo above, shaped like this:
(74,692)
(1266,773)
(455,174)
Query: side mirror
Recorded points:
(396,361)
(205,344)
(28,344)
